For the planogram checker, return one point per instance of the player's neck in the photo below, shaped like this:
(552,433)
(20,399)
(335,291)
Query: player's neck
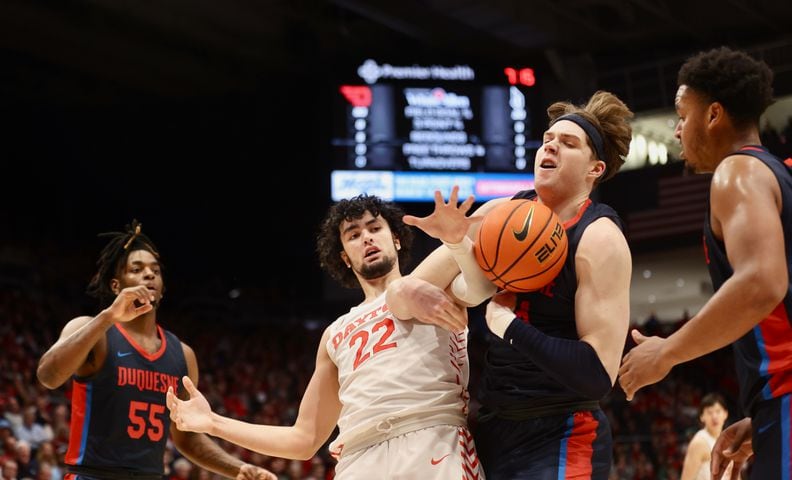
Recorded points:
(740,139)
(568,208)
(144,325)
(374,287)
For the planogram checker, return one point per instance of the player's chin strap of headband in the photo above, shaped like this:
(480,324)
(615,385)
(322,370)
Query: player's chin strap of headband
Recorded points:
(590,129)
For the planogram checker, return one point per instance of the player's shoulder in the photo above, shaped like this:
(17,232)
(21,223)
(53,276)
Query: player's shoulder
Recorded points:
(740,164)
(601,232)
(741,175)
(699,441)
(76,323)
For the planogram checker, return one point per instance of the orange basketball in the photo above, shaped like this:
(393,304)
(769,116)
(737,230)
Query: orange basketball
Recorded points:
(521,245)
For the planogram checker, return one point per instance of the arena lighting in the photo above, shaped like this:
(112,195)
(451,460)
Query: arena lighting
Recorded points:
(658,153)
(662,152)
(640,147)
(651,149)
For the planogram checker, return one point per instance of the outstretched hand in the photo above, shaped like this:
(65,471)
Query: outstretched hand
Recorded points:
(252,472)
(131,303)
(192,415)
(643,365)
(732,445)
(448,222)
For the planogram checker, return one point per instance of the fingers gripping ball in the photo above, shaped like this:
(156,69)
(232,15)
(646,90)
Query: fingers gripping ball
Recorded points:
(521,245)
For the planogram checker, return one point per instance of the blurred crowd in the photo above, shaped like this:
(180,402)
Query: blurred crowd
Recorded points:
(778,141)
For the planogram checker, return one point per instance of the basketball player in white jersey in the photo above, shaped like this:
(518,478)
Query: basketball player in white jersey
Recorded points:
(713,414)
(396,389)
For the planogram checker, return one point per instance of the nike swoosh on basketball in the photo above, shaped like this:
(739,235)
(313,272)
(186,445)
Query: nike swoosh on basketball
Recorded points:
(435,462)
(520,236)
(124,354)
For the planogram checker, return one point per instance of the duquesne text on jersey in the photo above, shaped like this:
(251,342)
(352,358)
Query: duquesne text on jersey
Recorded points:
(147,380)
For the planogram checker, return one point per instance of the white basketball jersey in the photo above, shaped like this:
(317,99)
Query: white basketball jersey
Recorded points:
(704,471)
(395,376)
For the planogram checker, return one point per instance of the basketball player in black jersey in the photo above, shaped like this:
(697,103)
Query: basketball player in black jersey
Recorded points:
(122,363)
(748,250)
(555,352)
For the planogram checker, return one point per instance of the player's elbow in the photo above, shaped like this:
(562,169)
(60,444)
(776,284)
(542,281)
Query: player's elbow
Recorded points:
(602,389)
(777,290)
(596,390)
(306,454)
(766,291)
(305,450)
(46,375)
(596,383)
(303,444)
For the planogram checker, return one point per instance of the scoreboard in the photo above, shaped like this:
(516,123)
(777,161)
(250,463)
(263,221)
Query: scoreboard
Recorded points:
(402,132)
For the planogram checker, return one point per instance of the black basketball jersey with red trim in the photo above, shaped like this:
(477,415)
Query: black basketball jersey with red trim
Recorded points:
(119,418)
(763,356)
(509,378)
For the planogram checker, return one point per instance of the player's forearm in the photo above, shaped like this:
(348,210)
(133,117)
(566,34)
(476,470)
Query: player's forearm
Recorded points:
(471,286)
(67,354)
(739,305)
(572,363)
(275,441)
(202,451)
(438,268)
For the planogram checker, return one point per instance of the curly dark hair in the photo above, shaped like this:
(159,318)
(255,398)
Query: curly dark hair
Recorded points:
(739,82)
(328,241)
(611,117)
(113,258)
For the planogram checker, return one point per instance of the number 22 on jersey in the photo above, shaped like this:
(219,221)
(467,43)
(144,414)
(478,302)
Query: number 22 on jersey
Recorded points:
(380,333)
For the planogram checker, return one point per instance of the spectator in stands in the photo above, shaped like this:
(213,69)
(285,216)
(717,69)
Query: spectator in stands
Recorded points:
(46,455)
(713,415)
(26,464)
(181,469)
(13,412)
(45,472)
(10,470)
(31,430)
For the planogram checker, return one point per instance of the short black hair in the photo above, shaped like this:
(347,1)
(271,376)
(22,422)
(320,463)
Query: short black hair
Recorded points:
(328,242)
(711,399)
(739,82)
(113,257)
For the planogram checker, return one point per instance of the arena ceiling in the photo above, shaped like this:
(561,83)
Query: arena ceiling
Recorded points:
(191,47)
